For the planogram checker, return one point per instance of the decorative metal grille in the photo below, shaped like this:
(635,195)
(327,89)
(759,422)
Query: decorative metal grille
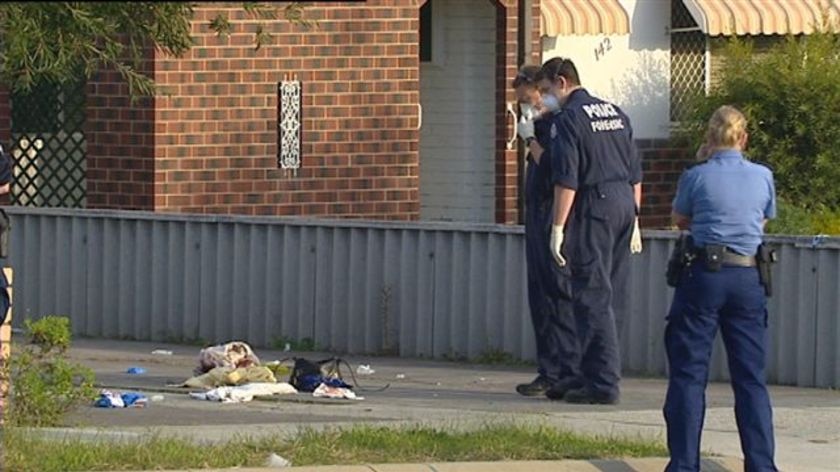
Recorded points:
(48,146)
(289,125)
(688,61)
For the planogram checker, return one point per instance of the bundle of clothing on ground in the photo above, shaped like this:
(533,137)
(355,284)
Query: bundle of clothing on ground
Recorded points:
(109,399)
(231,373)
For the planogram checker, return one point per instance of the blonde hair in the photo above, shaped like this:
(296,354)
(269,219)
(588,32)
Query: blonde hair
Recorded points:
(726,127)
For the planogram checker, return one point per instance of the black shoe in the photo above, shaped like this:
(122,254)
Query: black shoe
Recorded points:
(587,397)
(559,390)
(538,387)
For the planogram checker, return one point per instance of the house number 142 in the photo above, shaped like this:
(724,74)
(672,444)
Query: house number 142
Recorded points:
(602,49)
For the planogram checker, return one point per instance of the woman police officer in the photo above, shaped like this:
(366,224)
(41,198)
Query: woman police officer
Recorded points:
(724,201)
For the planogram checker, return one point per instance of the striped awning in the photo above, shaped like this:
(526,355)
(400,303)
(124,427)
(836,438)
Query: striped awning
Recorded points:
(581,17)
(756,17)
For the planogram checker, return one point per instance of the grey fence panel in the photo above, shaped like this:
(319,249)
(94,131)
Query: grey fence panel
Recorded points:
(792,316)
(416,289)
(644,319)
(827,355)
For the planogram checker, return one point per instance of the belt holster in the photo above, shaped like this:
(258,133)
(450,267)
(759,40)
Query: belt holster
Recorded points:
(764,259)
(5,226)
(713,255)
(681,258)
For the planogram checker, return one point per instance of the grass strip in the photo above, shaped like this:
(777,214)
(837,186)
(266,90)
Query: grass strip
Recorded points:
(27,451)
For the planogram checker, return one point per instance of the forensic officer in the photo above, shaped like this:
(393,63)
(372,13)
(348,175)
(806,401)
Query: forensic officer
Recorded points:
(558,353)
(596,174)
(724,202)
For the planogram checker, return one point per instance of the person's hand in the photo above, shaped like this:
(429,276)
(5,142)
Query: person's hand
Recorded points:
(4,189)
(525,129)
(557,244)
(636,238)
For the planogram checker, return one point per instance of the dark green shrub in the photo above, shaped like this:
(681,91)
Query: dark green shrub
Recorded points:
(45,386)
(790,94)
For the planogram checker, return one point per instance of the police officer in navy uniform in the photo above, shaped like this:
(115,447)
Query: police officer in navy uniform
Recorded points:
(596,175)
(558,353)
(724,202)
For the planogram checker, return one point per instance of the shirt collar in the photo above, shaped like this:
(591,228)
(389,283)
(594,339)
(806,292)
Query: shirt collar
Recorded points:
(577,94)
(727,154)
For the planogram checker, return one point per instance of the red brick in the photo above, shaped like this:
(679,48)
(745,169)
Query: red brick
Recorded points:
(211,146)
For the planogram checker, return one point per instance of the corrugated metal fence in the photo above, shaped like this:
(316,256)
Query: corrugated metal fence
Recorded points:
(418,289)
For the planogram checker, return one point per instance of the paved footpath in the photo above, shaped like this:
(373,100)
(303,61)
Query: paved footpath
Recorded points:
(448,394)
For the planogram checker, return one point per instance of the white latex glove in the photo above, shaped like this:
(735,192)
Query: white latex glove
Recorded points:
(557,244)
(527,111)
(525,129)
(636,238)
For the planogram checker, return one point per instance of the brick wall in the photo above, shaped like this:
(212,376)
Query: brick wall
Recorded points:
(662,164)
(5,130)
(507,64)
(120,144)
(5,117)
(536,35)
(216,133)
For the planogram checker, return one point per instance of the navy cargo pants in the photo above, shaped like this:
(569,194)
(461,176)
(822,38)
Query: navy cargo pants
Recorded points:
(734,300)
(549,297)
(597,250)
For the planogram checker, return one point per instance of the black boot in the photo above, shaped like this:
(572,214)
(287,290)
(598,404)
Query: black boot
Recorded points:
(537,388)
(559,389)
(587,397)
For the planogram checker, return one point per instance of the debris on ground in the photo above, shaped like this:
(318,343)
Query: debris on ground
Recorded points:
(232,373)
(400,376)
(229,376)
(276,461)
(136,370)
(234,354)
(278,369)
(162,352)
(244,393)
(326,391)
(109,399)
(364,369)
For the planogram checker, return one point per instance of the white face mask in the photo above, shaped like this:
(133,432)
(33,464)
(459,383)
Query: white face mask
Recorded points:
(550,102)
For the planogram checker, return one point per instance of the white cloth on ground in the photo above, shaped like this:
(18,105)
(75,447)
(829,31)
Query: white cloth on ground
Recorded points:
(244,393)
(326,391)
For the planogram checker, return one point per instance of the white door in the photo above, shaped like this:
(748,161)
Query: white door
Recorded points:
(458,96)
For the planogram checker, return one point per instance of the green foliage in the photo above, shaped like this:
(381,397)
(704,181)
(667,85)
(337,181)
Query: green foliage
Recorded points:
(55,42)
(498,357)
(795,220)
(791,97)
(302,345)
(44,384)
(828,223)
(52,41)
(50,332)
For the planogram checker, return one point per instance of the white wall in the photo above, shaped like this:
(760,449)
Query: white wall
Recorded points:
(457,92)
(634,72)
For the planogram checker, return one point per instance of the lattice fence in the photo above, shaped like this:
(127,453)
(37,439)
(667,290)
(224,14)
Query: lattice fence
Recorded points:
(48,146)
(688,61)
